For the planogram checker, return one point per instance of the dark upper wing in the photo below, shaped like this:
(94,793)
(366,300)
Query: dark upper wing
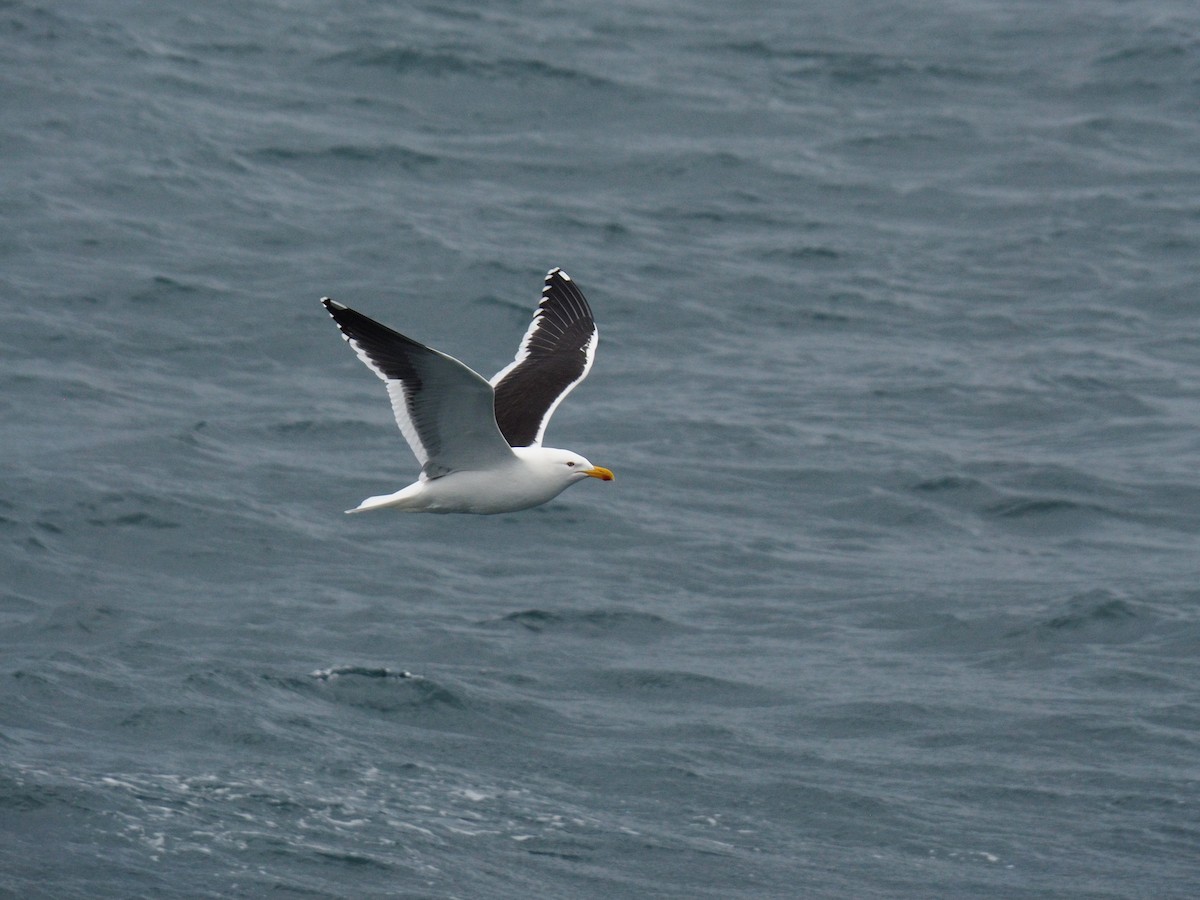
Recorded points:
(555,355)
(443,408)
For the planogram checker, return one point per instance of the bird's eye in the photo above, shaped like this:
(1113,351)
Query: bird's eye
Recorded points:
(571,463)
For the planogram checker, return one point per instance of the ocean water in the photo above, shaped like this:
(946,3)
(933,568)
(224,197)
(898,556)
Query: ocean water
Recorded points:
(895,594)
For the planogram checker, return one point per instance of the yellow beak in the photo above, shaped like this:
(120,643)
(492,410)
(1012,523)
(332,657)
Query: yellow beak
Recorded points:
(599,472)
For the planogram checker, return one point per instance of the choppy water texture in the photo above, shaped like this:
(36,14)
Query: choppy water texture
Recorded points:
(895,594)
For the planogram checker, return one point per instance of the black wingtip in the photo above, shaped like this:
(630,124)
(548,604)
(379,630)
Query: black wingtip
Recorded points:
(330,304)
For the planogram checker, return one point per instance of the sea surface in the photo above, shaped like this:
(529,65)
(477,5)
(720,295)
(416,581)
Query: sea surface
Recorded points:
(896,593)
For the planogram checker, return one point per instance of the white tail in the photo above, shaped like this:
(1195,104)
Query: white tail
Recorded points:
(400,500)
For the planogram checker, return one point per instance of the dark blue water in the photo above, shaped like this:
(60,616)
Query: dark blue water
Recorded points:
(895,594)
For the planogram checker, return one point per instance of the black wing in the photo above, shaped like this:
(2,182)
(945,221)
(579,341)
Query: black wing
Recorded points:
(555,355)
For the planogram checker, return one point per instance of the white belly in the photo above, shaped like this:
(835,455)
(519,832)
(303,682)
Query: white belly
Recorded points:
(509,488)
(500,491)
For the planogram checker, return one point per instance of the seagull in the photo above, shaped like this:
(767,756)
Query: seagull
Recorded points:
(479,443)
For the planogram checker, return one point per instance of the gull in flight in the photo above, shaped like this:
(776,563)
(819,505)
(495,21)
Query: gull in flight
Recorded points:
(479,443)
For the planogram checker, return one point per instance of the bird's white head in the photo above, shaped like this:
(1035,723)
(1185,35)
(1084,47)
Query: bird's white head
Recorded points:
(566,465)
